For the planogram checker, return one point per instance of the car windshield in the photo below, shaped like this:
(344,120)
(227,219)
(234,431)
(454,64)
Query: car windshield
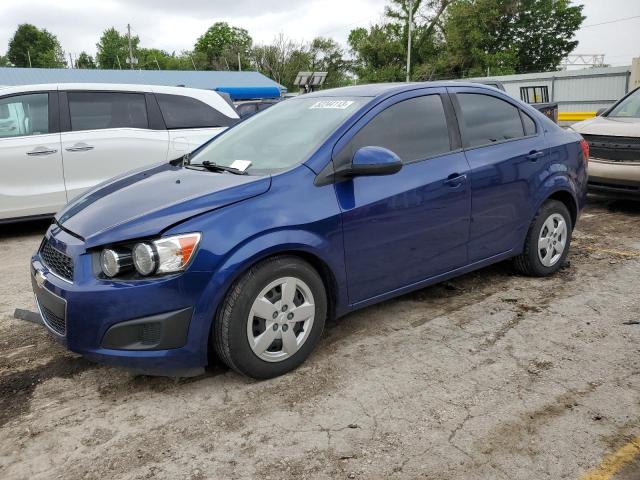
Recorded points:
(281,136)
(629,107)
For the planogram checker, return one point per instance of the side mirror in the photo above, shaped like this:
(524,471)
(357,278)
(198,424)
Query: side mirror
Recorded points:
(601,111)
(371,161)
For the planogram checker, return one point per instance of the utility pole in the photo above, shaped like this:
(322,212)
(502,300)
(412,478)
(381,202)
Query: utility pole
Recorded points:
(70,61)
(239,64)
(29,57)
(130,48)
(410,28)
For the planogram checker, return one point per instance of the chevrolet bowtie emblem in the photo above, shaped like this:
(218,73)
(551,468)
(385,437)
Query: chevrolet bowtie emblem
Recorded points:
(39,278)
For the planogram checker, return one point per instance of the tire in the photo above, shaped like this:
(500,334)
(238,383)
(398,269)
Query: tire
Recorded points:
(538,262)
(237,339)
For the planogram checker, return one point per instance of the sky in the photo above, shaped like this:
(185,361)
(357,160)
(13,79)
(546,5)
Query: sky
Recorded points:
(174,25)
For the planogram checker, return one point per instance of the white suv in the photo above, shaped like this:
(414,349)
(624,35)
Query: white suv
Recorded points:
(57,140)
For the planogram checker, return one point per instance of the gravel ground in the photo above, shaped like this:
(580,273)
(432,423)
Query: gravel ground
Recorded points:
(488,376)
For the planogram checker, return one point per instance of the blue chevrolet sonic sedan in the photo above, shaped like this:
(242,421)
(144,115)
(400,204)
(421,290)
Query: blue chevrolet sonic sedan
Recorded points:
(316,207)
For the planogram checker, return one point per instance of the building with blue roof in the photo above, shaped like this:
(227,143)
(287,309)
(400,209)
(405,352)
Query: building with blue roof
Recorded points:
(239,85)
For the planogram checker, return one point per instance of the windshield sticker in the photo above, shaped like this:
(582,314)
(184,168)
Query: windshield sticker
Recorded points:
(333,104)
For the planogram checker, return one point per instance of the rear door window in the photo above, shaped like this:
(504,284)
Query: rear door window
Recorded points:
(414,129)
(486,119)
(179,111)
(24,115)
(100,110)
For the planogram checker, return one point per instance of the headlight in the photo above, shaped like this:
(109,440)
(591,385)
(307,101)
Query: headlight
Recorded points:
(114,261)
(165,255)
(145,258)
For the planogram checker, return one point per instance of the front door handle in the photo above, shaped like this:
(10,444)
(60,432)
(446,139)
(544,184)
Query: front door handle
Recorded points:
(455,180)
(39,151)
(79,147)
(534,155)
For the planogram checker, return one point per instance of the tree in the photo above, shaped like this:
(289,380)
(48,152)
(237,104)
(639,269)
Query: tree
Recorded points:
(32,47)
(281,60)
(4,61)
(326,55)
(113,49)
(381,51)
(544,32)
(514,36)
(85,60)
(222,44)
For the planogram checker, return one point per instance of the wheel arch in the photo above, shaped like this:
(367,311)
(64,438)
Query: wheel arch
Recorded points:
(249,255)
(565,197)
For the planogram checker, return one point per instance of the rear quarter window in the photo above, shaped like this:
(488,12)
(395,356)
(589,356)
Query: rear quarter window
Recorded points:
(180,111)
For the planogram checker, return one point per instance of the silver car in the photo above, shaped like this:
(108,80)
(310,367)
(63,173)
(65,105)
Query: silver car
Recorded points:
(614,143)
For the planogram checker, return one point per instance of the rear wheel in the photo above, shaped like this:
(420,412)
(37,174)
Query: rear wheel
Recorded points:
(272,318)
(547,244)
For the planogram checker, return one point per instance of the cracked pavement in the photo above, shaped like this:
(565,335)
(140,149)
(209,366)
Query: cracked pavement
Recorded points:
(487,376)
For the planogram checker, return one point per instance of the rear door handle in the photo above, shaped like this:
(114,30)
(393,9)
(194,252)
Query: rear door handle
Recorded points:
(455,180)
(79,147)
(39,151)
(534,155)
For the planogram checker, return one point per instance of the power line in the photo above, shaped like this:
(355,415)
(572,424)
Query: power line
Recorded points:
(610,21)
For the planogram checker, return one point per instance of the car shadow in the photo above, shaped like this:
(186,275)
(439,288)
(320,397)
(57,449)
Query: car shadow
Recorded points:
(24,229)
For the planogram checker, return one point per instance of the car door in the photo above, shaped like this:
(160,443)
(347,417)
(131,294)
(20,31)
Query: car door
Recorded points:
(105,134)
(31,178)
(507,154)
(190,122)
(404,228)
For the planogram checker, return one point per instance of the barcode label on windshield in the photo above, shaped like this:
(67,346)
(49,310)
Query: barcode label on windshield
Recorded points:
(335,104)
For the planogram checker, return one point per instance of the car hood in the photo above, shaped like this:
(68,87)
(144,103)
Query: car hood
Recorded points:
(616,127)
(147,201)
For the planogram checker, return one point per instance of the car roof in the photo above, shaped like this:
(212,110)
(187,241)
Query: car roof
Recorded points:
(379,89)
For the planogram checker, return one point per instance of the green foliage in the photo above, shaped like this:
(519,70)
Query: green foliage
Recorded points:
(281,60)
(457,38)
(513,36)
(544,32)
(85,60)
(4,61)
(381,51)
(222,43)
(326,55)
(40,45)
(113,49)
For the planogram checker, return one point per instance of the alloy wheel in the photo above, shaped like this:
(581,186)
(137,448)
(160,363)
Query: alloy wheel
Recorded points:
(280,319)
(552,240)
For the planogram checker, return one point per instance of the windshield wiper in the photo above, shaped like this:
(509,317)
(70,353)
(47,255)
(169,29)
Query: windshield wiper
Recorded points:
(214,167)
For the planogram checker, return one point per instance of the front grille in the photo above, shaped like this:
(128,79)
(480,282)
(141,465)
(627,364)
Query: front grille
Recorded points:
(620,149)
(56,261)
(54,322)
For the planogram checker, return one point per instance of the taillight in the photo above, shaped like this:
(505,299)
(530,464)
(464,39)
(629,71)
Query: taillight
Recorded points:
(585,150)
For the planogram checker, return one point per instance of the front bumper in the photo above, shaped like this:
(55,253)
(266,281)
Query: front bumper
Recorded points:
(158,325)
(614,178)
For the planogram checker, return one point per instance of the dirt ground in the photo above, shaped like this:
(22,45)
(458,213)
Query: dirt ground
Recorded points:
(488,376)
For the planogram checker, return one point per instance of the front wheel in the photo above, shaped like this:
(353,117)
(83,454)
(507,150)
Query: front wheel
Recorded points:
(547,244)
(272,318)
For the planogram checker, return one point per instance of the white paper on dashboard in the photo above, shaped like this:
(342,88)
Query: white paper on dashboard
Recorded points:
(241,165)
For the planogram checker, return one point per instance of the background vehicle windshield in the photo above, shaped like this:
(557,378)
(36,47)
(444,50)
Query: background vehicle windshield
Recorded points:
(283,135)
(629,107)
